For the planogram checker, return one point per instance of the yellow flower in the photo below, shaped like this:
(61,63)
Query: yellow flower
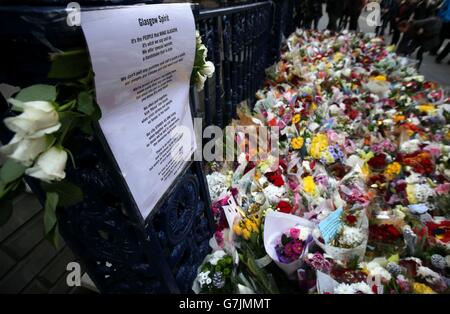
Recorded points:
(328,157)
(296,118)
(399,118)
(365,169)
(297,142)
(421,288)
(254,227)
(427,108)
(337,56)
(392,170)
(394,258)
(381,78)
(410,194)
(248,224)
(319,144)
(309,185)
(237,230)
(246,234)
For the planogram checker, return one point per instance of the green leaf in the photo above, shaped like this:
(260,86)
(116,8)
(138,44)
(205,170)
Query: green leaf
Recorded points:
(11,171)
(86,103)
(86,127)
(37,92)
(53,236)
(6,209)
(69,64)
(68,120)
(51,202)
(69,194)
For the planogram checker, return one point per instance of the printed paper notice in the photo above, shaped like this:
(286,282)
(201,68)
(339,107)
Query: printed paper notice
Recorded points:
(142,57)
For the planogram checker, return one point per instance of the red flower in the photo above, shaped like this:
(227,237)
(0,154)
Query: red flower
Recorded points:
(378,162)
(440,231)
(284,207)
(420,161)
(384,233)
(275,178)
(249,167)
(352,114)
(351,219)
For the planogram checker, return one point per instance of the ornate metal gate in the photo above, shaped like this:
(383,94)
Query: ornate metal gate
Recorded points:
(120,252)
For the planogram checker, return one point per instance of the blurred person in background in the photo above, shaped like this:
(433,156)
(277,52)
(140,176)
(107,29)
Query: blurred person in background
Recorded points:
(354,11)
(335,10)
(403,12)
(312,13)
(421,34)
(387,8)
(444,14)
(299,14)
(425,8)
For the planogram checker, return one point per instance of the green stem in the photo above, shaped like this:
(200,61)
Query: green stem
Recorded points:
(63,135)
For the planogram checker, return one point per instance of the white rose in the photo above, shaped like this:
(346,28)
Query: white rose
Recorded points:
(37,119)
(334,110)
(49,166)
(207,69)
(199,81)
(24,150)
(347,72)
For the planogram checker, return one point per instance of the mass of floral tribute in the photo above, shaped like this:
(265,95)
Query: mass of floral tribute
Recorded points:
(356,200)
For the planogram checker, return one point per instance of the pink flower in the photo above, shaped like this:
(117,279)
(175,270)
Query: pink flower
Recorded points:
(434,150)
(219,238)
(333,136)
(294,232)
(349,146)
(443,188)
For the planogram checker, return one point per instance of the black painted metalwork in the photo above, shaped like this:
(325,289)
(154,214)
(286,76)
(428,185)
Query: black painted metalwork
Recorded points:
(121,252)
(239,41)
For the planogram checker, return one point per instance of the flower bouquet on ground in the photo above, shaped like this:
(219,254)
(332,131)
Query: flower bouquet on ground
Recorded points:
(343,235)
(385,239)
(286,240)
(216,275)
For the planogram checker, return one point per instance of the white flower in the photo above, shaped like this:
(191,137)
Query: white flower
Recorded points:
(198,38)
(217,256)
(378,87)
(24,150)
(428,274)
(274,193)
(49,166)
(415,260)
(207,69)
(304,233)
(351,236)
(353,288)
(334,110)
(414,178)
(410,146)
(37,119)
(199,81)
(422,192)
(217,184)
(376,270)
(203,277)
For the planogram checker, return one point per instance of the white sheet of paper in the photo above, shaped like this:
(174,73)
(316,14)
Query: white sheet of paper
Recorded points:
(142,57)
(231,210)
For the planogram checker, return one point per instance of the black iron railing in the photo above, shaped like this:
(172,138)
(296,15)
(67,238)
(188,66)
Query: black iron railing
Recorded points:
(121,253)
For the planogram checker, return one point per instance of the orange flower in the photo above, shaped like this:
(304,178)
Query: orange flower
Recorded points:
(399,118)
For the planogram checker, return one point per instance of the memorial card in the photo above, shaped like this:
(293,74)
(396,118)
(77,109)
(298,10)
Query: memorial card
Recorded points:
(142,57)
